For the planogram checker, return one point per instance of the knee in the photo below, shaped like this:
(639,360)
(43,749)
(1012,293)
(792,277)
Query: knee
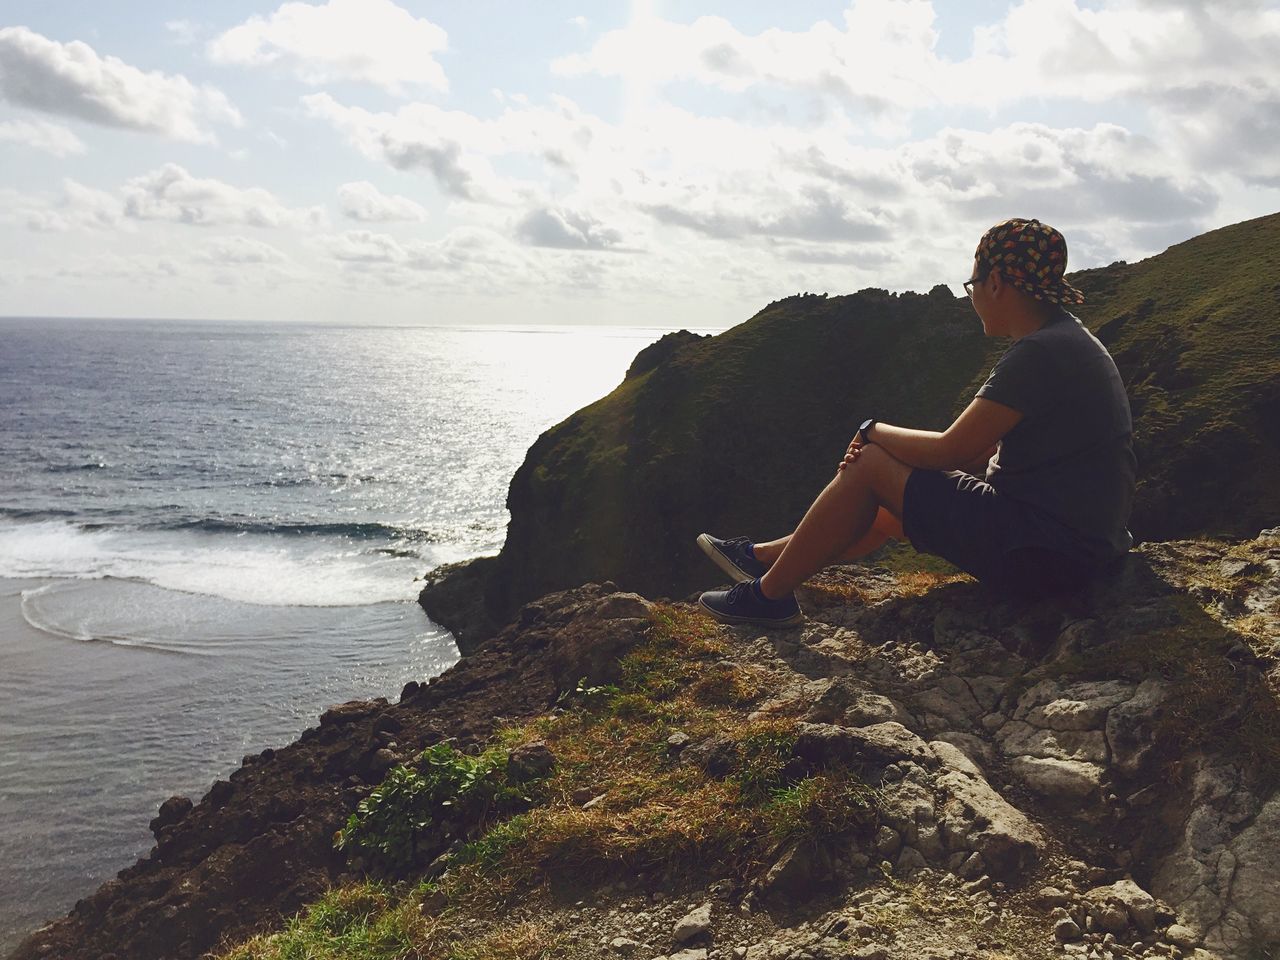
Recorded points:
(872,459)
(862,471)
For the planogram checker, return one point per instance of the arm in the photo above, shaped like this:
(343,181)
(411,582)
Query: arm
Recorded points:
(962,444)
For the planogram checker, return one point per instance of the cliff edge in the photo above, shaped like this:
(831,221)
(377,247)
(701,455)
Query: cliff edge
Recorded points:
(923,767)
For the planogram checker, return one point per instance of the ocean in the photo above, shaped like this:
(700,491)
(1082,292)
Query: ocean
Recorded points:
(209,532)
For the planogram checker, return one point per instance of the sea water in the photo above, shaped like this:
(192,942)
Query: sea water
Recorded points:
(209,532)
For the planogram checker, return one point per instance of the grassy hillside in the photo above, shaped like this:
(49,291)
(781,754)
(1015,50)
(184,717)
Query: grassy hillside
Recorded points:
(1195,332)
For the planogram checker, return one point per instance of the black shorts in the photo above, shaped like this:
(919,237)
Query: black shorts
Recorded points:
(1005,543)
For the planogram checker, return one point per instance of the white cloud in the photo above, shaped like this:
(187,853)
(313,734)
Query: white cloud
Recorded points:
(458,149)
(465,255)
(672,179)
(1076,52)
(171,193)
(363,201)
(884,55)
(240,250)
(41,135)
(70,79)
(75,207)
(364,246)
(423,137)
(822,167)
(815,214)
(567,229)
(1069,175)
(370,41)
(579,21)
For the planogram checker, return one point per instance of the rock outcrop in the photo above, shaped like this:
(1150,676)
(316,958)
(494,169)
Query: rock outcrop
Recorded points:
(1098,771)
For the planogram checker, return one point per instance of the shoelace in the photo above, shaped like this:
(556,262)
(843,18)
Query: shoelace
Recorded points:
(736,592)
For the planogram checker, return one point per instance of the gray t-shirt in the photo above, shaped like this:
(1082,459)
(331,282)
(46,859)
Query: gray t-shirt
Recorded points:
(1071,454)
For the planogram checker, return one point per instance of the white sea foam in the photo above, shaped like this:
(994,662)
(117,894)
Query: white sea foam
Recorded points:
(42,610)
(248,568)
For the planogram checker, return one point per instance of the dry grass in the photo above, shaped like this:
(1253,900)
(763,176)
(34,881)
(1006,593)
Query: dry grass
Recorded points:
(919,582)
(522,941)
(655,814)
(836,587)
(823,592)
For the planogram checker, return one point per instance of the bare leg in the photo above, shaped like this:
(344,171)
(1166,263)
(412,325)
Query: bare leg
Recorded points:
(839,518)
(841,515)
(885,527)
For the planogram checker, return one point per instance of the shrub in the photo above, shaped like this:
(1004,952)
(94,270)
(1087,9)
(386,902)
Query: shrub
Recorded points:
(394,823)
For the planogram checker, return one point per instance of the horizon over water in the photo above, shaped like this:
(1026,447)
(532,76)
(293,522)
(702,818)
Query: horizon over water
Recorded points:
(210,531)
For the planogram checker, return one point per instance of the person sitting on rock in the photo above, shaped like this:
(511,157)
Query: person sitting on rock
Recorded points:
(1050,431)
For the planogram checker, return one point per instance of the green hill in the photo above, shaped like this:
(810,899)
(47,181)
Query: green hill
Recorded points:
(736,433)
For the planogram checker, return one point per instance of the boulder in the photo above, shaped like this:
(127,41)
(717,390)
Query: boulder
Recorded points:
(985,822)
(1255,883)
(878,744)
(1132,726)
(344,713)
(1061,782)
(798,875)
(1056,705)
(171,811)
(693,924)
(954,758)
(869,708)
(717,756)
(1136,907)
(836,696)
(598,635)
(530,761)
(1019,739)
(1223,871)
(951,699)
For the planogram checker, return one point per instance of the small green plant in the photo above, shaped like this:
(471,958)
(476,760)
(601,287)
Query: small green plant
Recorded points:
(584,695)
(489,849)
(413,801)
(765,754)
(829,803)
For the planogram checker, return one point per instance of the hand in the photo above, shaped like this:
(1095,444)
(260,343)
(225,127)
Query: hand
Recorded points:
(850,455)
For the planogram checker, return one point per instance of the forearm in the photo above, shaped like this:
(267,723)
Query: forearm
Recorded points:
(927,449)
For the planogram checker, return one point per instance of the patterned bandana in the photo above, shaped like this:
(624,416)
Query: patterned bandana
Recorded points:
(1030,255)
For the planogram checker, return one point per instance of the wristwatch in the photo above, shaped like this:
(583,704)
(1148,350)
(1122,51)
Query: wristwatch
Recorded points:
(865,428)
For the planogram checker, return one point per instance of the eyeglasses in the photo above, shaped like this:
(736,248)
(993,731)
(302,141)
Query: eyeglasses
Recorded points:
(969,284)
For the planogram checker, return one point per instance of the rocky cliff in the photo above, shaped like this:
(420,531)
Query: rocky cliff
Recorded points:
(923,769)
(735,434)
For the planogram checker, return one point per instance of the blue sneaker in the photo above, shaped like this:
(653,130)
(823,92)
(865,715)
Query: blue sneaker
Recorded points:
(743,603)
(732,556)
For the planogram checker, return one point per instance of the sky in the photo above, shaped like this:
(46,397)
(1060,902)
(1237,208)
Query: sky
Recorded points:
(652,162)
